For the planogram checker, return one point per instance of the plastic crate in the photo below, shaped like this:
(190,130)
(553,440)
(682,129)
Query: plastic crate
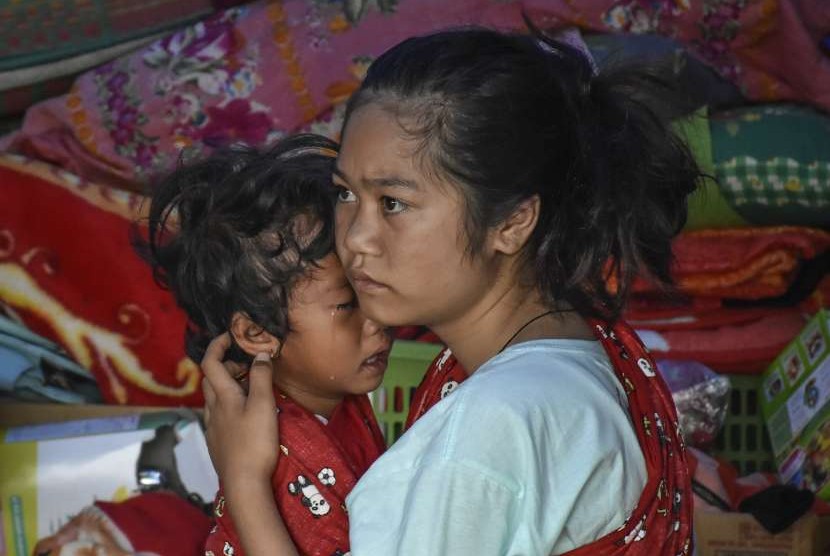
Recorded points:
(408,361)
(744,440)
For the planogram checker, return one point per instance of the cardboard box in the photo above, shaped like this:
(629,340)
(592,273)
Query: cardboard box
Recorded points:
(53,464)
(736,534)
(795,401)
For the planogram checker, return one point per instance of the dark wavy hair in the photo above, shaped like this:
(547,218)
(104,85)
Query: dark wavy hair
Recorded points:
(224,235)
(509,116)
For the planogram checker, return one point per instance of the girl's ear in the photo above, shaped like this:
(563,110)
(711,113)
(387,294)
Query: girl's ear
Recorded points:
(251,337)
(512,235)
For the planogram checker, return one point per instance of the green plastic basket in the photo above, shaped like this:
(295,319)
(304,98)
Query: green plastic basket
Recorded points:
(408,362)
(744,440)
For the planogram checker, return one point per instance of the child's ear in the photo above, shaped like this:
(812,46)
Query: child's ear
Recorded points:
(511,235)
(251,337)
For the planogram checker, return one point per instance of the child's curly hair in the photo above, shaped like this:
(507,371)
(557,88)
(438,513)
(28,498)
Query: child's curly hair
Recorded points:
(233,232)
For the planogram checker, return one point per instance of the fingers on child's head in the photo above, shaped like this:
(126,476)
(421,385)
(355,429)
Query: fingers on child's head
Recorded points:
(216,348)
(221,342)
(260,378)
(208,392)
(262,361)
(213,368)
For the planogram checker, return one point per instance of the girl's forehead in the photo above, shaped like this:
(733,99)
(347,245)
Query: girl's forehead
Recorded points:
(374,135)
(382,149)
(377,154)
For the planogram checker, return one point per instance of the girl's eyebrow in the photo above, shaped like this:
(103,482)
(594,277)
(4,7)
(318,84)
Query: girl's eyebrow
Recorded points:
(340,174)
(385,181)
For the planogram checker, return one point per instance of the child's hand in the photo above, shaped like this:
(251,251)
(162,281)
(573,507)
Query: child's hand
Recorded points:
(242,432)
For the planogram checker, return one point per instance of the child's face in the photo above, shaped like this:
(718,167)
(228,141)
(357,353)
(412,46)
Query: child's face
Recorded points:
(332,349)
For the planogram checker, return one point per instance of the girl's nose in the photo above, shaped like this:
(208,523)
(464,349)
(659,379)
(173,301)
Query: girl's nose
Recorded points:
(370,327)
(355,230)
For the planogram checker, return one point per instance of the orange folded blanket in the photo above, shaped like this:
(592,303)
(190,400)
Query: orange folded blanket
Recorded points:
(741,263)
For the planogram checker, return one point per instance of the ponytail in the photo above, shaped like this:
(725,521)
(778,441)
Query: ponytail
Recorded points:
(632,176)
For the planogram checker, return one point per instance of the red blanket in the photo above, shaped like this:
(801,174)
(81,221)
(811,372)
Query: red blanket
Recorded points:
(741,263)
(154,523)
(749,264)
(69,272)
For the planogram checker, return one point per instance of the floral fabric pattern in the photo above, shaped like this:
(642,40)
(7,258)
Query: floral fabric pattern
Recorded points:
(254,73)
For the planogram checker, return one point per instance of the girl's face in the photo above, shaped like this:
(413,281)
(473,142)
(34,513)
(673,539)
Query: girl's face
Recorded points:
(399,228)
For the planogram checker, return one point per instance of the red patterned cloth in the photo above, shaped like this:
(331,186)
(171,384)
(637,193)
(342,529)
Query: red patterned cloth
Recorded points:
(740,348)
(443,376)
(664,511)
(69,272)
(741,340)
(319,465)
(152,523)
(741,263)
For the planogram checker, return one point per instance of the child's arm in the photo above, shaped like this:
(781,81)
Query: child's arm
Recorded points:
(242,436)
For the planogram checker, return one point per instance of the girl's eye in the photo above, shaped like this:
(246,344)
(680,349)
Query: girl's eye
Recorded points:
(348,306)
(344,195)
(393,206)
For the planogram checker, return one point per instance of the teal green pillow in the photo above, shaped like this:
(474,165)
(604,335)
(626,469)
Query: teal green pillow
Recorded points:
(772,163)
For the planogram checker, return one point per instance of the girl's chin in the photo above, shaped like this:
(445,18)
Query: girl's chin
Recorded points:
(381,313)
(388,313)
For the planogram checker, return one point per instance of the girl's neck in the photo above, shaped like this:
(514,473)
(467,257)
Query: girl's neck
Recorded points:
(517,315)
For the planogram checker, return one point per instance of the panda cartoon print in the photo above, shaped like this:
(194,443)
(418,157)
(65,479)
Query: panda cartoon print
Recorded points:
(309,496)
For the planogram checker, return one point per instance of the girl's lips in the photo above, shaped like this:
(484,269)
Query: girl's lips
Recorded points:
(363,282)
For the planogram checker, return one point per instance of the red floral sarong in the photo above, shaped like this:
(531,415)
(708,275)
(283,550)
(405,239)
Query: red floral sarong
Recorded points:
(319,465)
(661,524)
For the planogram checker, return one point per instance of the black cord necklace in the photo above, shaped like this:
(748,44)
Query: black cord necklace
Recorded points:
(531,321)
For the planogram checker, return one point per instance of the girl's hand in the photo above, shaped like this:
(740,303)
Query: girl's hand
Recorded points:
(242,440)
(242,431)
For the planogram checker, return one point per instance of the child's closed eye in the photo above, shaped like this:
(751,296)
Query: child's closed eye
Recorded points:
(347,306)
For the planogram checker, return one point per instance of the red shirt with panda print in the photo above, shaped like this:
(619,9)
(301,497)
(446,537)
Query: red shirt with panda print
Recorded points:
(318,466)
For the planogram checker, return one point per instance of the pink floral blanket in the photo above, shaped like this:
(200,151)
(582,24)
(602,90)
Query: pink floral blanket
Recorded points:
(256,72)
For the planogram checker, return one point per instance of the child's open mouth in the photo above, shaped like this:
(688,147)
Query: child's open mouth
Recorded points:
(377,362)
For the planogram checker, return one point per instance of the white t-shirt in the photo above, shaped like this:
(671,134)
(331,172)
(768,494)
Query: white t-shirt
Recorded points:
(534,454)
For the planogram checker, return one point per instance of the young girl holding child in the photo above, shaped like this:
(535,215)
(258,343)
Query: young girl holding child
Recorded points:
(244,240)
(492,185)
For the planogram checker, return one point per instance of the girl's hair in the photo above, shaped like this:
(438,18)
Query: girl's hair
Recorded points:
(509,116)
(234,231)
